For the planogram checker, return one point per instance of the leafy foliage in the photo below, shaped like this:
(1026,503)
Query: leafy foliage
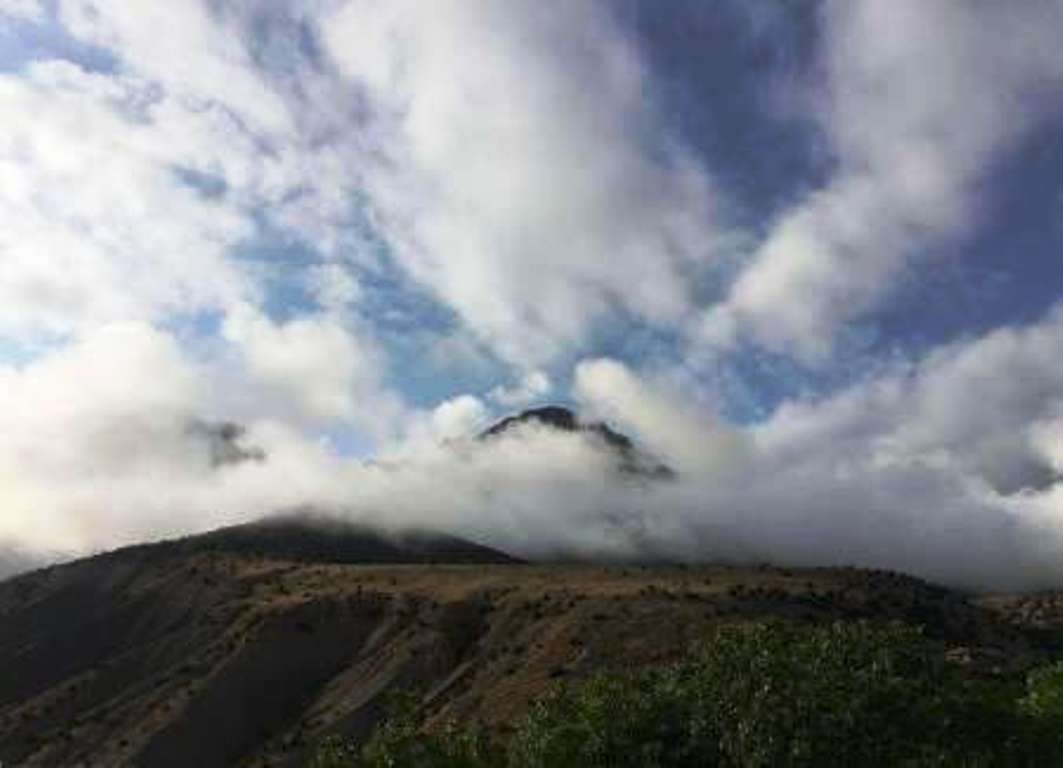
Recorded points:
(334,752)
(400,742)
(1043,706)
(768,695)
(1045,692)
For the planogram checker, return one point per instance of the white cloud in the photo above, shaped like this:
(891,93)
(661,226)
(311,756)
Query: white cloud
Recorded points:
(111,409)
(459,417)
(28,10)
(186,47)
(983,405)
(920,100)
(533,386)
(948,468)
(96,227)
(104,443)
(125,192)
(115,459)
(325,369)
(518,181)
(940,468)
(687,439)
(889,473)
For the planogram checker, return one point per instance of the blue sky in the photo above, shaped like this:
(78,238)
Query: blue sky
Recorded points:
(370,227)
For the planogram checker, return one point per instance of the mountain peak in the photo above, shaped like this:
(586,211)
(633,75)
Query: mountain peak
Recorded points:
(632,460)
(555,416)
(561,418)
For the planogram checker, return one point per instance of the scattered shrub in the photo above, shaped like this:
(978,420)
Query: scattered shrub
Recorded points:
(763,695)
(334,752)
(399,742)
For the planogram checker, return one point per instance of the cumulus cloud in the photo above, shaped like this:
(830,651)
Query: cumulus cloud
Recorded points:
(462,416)
(519,184)
(919,102)
(325,370)
(946,468)
(107,413)
(686,438)
(535,385)
(939,468)
(112,442)
(121,457)
(901,471)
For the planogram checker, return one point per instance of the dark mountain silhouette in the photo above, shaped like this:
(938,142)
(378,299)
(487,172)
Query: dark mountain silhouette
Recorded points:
(312,536)
(13,561)
(630,459)
(88,643)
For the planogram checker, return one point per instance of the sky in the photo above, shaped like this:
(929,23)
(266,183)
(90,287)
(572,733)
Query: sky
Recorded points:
(808,253)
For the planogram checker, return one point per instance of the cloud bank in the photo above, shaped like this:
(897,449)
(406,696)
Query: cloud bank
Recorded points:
(943,468)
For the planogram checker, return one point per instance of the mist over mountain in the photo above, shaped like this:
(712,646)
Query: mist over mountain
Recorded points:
(667,483)
(631,460)
(315,537)
(13,561)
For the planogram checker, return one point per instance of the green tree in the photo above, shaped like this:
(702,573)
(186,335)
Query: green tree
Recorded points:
(772,694)
(784,695)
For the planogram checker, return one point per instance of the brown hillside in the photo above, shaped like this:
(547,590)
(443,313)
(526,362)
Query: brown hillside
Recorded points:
(219,658)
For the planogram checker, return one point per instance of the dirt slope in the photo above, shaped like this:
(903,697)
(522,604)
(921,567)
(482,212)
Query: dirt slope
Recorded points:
(180,656)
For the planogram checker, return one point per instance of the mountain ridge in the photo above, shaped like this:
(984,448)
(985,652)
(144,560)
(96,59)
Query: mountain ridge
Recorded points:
(631,459)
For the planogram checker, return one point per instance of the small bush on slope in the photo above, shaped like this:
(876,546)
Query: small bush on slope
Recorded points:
(769,695)
(1043,707)
(399,742)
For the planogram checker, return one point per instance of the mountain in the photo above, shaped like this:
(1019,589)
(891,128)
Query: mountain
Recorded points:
(243,648)
(631,460)
(311,536)
(13,561)
(95,646)
(249,644)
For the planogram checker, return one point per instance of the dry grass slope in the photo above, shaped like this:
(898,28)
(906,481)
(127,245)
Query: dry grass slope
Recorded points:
(212,656)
